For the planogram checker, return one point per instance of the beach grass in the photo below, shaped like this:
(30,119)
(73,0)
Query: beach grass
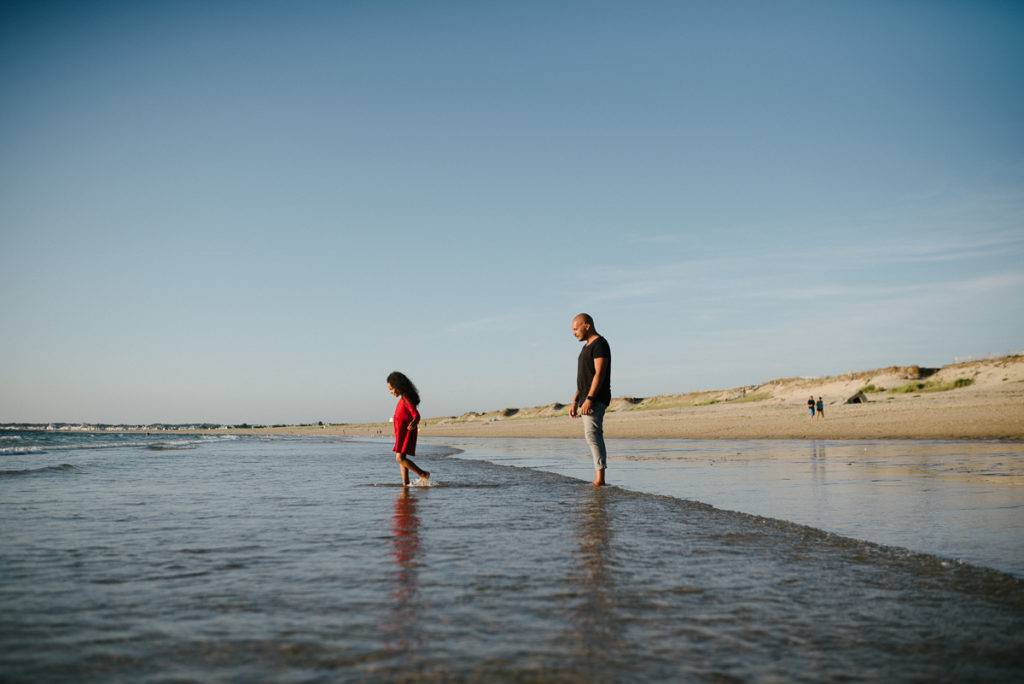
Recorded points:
(751,396)
(742,399)
(932,386)
(667,401)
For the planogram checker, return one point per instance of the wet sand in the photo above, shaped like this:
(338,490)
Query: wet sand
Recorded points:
(960,500)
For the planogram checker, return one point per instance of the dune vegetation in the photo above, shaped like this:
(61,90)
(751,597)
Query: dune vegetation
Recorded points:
(932,386)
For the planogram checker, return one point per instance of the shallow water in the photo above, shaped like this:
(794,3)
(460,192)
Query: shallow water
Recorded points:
(300,560)
(956,499)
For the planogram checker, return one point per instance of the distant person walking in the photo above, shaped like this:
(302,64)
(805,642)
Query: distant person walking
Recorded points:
(820,406)
(593,389)
(810,406)
(406,423)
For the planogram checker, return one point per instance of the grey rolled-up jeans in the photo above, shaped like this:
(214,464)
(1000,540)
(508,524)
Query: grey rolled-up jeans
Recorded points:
(593,432)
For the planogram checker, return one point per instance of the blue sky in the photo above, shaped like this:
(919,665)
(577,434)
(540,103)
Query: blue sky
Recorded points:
(255,211)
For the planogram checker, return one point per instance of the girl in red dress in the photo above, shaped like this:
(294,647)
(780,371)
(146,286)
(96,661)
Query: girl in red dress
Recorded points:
(406,421)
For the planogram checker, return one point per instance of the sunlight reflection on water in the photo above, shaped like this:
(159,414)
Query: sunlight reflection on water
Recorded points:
(961,500)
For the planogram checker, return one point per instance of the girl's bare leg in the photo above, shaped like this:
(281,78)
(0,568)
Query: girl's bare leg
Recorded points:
(416,469)
(403,467)
(406,465)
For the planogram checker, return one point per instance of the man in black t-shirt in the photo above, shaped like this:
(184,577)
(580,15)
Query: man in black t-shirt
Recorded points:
(593,389)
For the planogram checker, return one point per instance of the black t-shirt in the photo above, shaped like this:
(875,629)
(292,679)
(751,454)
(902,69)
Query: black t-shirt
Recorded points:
(598,349)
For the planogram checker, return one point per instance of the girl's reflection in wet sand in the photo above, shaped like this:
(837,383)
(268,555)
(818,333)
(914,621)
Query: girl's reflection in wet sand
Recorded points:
(402,631)
(405,527)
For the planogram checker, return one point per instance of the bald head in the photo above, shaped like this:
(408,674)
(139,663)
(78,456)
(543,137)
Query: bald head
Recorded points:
(583,326)
(585,317)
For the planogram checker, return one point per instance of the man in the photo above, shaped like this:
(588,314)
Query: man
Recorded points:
(593,387)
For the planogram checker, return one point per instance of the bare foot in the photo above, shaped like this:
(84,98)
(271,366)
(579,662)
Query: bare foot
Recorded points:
(425,475)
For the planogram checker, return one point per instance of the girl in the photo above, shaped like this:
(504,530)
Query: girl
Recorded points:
(406,420)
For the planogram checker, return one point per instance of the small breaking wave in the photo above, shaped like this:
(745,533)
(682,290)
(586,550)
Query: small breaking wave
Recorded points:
(174,445)
(67,447)
(22,450)
(62,468)
(9,437)
(118,442)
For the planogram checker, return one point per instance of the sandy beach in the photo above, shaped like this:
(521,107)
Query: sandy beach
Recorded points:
(971,400)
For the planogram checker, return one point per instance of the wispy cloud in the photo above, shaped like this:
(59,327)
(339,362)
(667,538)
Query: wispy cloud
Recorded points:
(976,285)
(873,268)
(933,228)
(939,249)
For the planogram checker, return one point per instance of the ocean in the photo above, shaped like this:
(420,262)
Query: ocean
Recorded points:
(179,558)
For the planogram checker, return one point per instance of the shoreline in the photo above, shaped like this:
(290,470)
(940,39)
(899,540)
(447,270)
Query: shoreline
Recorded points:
(1010,429)
(975,400)
(971,416)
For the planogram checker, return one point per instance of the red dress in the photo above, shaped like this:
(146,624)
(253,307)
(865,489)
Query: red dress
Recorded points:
(405,439)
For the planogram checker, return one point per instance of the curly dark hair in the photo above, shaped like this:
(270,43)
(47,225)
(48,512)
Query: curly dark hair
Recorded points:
(404,385)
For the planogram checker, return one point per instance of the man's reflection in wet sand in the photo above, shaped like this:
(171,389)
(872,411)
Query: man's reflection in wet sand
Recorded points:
(596,626)
(402,631)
